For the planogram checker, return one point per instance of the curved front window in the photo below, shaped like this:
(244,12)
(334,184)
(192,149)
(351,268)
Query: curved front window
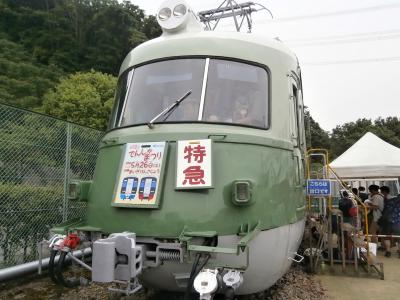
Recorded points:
(222,91)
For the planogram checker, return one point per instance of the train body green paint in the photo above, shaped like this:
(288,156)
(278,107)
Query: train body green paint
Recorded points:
(270,157)
(266,162)
(267,157)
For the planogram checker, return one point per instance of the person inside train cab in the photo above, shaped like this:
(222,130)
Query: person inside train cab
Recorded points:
(241,110)
(190,109)
(248,110)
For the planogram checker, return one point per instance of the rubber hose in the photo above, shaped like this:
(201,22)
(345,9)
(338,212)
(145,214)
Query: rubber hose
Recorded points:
(229,294)
(52,275)
(191,277)
(195,270)
(69,283)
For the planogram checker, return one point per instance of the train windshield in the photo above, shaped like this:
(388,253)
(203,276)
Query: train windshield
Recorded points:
(156,86)
(222,91)
(236,93)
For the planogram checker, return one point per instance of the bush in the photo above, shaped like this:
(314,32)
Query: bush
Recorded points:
(27,212)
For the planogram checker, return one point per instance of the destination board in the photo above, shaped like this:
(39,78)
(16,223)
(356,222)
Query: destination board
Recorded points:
(140,177)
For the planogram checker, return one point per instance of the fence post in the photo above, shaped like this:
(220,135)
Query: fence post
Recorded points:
(67,171)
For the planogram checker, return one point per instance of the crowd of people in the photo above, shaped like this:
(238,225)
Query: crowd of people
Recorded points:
(383,216)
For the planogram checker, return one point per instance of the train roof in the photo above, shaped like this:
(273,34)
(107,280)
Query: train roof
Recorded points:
(241,46)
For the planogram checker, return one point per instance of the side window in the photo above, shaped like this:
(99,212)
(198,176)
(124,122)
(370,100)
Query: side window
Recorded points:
(298,170)
(120,96)
(294,116)
(300,112)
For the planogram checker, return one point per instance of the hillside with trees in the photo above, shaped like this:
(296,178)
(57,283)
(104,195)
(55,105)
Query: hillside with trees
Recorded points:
(43,42)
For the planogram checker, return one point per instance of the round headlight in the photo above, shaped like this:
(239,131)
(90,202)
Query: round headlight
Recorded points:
(164,14)
(180,10)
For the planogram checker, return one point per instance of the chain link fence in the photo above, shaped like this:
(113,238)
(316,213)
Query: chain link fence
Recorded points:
(39,155)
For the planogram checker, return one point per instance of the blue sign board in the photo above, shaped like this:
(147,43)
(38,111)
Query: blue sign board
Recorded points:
(318,187)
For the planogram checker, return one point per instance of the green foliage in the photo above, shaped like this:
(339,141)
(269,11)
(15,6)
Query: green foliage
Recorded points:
(23,80)
(316,137)
(344,136)
(40,41)
(32,176)
(32,147)
(20,226)
(83,98)
(77,35)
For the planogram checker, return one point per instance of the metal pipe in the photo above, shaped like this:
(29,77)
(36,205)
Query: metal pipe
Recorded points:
(31,267)
(79,262)
(40,252)
(381,235)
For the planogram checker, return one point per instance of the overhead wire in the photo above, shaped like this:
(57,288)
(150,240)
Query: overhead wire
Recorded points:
(353,61)
(345,39)
(350,35)
(341,39)
(334,13)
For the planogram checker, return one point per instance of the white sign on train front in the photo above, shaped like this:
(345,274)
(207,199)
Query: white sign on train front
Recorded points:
(194,164)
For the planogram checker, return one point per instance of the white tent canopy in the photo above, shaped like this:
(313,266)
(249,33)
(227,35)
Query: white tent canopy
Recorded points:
(369,157)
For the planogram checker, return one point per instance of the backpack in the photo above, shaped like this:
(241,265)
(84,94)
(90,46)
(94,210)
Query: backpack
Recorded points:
(389,211)
(395,216)
(345,204)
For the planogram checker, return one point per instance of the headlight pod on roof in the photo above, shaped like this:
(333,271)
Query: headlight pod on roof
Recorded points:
(176,16)
(165,13)
(180,10)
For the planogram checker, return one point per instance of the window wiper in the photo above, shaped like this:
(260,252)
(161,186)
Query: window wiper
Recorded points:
(169,110)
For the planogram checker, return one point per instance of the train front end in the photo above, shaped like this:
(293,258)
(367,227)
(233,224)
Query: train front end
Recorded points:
(199,181)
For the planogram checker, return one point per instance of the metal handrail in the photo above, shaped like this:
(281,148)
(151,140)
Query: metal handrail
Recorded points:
(327,171)
(359,201)
(325,155)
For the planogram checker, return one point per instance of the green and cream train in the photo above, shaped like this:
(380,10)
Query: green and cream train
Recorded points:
(199,183)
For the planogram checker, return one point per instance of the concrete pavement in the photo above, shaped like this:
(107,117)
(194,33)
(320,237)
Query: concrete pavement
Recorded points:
(341,286)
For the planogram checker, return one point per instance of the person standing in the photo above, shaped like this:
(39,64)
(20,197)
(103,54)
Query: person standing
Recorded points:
(390,220)
(376,204)
(354,191)
(362,194)
(345,204)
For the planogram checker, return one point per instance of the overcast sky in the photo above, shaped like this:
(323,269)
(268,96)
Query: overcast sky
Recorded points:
(349,52)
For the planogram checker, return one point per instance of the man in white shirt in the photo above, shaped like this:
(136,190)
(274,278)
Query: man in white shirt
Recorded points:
(376,204)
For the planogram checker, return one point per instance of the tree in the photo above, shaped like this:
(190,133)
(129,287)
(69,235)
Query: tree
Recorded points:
(77,35)
(114,30)
(389,130)
(83,98)
(316,137)
(344,136)
(151,28)
(23,80)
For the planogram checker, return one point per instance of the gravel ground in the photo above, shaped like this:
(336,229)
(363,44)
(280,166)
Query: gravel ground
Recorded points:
(295,285)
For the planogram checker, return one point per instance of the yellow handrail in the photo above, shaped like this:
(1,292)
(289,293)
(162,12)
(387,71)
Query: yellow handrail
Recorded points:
(328,169)
(325,154)
(359,201)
